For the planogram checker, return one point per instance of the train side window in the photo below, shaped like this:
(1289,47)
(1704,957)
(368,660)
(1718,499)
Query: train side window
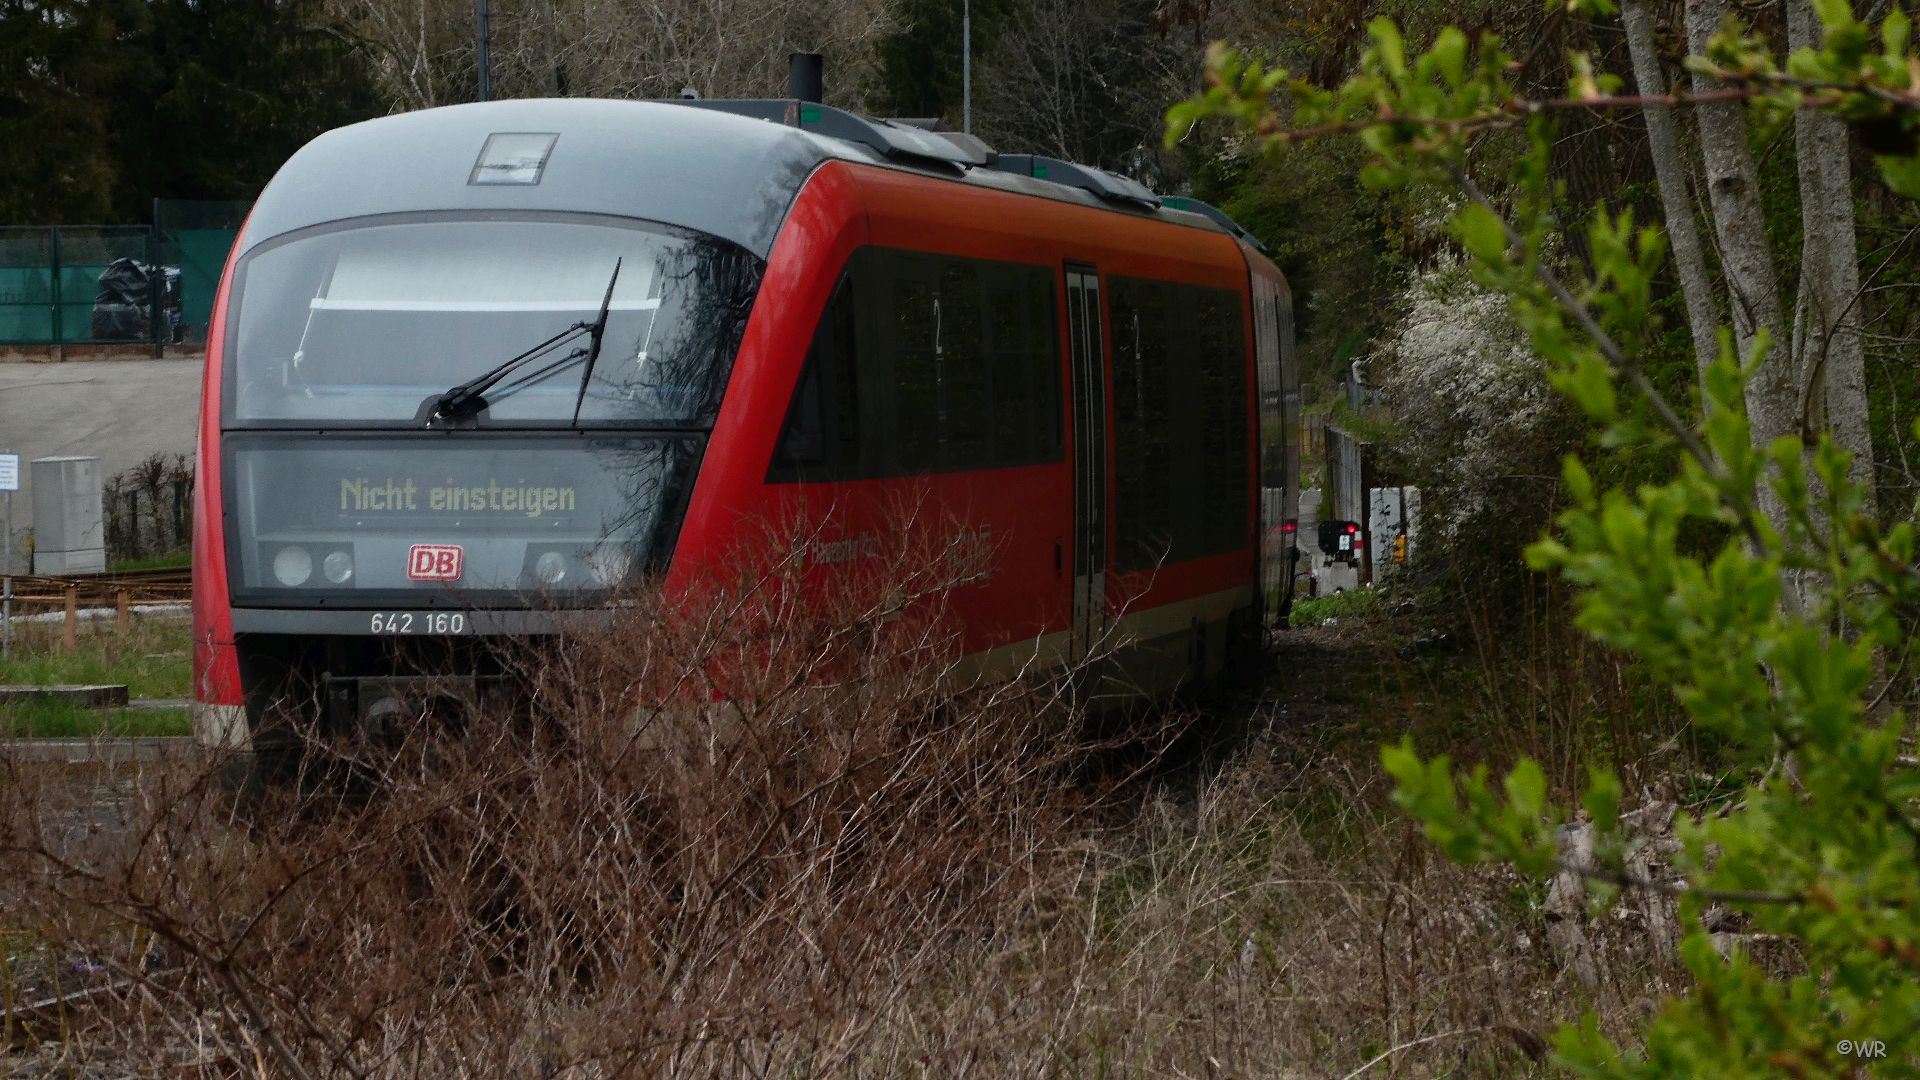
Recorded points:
(966,390)
(1023,360)
(842,389)
(925,364)
(1180,439)
(821,436)
(803,443)
(1006,363)
(1124,315)
(1038,396)
(916,323)
(1043,341)
(1146,332)
(1222,406)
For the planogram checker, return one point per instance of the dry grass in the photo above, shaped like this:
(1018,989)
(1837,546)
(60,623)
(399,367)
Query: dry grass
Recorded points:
(757,844)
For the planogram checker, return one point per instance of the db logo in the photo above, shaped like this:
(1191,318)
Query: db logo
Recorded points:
(435,562)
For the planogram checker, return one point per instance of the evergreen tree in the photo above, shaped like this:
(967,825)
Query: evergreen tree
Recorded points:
(921,64)
(108,104)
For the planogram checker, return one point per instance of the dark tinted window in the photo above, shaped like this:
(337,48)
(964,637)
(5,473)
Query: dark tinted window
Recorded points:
(1180,421)
(927,363)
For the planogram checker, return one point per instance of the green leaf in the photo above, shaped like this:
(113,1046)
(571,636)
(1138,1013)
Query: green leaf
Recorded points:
(1590,385)
(1578,480)
(1449,54)
(1602,801)
(1389,47)
(1902,174)
(1527,789)
(1895,31)
(1480,231)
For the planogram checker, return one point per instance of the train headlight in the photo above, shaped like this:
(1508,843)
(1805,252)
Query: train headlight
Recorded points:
(610,565)
(292,566)
(550,568)
(338,567)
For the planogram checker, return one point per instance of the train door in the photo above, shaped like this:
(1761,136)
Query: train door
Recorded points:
(1278,445)
(1089,374)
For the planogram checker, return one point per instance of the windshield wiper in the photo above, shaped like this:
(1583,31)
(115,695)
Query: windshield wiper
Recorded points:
(467,399)
(599,333)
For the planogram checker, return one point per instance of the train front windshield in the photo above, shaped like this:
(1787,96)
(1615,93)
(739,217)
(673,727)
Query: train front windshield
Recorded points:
(369,321)
(341,336)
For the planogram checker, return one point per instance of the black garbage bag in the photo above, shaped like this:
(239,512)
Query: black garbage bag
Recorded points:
(120,307)
(172,305)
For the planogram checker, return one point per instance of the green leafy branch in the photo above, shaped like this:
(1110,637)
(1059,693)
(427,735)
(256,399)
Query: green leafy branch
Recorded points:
(1821,847)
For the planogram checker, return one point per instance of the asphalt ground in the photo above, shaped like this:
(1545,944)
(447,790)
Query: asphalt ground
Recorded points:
(120,411)
(104,751)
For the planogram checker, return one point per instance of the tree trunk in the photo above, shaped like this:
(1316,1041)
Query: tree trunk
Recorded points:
(1745,259)
(1832,373)
(1669,172)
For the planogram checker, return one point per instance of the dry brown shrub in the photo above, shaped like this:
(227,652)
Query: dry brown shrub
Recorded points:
(753,841)
(709,835)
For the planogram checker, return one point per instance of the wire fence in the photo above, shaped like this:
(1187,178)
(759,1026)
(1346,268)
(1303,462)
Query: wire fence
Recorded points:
(80,284)
(117,284)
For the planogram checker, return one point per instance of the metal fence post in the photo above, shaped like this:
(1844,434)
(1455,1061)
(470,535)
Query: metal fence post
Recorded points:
(59,310)
(156,289)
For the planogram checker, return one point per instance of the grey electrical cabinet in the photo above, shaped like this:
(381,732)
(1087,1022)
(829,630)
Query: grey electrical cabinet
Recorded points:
(68,537)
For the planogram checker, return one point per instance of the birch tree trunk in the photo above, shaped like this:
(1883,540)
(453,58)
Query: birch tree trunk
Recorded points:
(1832,373)
(1745,259)
(1671,175)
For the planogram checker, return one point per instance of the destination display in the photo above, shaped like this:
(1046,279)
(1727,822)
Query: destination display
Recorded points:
(370,495)
(472,515)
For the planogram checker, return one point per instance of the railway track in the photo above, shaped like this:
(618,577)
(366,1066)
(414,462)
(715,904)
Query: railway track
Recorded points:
(170,584)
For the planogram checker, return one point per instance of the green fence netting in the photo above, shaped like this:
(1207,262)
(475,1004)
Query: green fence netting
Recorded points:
(51,291)
(56,287)
(195,235)
(27,305)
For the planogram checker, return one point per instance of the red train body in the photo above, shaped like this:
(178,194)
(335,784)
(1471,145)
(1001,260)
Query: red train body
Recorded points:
(830,327)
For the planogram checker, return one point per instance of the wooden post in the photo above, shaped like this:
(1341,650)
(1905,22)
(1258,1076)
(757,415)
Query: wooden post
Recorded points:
(69,640)
(122,615)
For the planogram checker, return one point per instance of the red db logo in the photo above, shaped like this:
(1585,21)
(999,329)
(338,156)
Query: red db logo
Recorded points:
(435,562)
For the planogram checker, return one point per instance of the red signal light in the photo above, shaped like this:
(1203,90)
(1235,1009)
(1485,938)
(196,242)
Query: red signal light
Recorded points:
(1288,526)
(1352,528)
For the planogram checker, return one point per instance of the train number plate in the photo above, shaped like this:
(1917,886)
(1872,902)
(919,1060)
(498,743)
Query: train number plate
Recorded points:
(419,622)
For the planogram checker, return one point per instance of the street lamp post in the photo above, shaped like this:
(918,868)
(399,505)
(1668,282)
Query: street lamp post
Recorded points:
(483,61)
(966,66)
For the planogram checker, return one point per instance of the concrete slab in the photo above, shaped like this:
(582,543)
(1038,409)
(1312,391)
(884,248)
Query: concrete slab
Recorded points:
(120,411)
(101,696)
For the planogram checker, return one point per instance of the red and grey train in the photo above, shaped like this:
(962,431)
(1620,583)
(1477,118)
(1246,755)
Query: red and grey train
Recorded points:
(471,359)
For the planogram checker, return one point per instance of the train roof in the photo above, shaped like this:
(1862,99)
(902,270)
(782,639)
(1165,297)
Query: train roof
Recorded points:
(729,169)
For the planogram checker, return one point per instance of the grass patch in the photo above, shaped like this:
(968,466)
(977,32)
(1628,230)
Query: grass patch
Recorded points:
(153,659)
(1340,605)
(164,561)
(64,720)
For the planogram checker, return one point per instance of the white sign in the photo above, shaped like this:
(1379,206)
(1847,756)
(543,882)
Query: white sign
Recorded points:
(9,472)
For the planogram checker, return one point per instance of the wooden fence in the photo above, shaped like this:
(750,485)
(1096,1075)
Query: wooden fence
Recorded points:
(35,595)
